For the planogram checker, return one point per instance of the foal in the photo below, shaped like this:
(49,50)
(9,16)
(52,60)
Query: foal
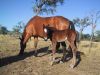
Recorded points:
(68,36)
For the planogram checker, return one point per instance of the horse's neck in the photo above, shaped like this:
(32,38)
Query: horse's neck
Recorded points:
(50,33)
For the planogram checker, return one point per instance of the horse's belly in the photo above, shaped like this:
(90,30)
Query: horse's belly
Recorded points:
(62,40)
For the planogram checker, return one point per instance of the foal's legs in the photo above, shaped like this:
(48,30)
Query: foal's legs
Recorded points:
(23,41)
(35,44)
(73,47)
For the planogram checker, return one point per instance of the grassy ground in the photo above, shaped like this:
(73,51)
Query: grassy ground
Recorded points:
(12,64)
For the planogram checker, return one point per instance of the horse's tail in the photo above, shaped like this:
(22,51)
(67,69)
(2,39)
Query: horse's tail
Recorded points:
(72,27)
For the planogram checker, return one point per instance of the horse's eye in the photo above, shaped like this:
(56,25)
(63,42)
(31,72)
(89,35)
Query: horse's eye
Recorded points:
(45,30)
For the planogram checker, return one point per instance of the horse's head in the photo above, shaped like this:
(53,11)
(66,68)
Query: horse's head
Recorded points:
(47,31)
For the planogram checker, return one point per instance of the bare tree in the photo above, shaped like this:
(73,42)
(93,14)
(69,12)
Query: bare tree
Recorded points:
(94,17)
(46,6)
(17,29)
(81,24)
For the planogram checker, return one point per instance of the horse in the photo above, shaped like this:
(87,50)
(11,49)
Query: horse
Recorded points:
(34,28)
(68,36)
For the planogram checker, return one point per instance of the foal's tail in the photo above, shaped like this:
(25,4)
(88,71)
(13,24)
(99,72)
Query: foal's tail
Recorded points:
(77,40)
(72,27)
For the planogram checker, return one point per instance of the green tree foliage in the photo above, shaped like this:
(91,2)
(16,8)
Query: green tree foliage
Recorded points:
(3,30)
(46,6)
(86,36)
(97,36)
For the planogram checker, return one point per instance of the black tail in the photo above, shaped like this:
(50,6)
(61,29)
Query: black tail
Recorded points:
(72,27)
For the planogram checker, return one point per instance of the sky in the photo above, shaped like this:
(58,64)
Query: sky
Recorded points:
(14,11)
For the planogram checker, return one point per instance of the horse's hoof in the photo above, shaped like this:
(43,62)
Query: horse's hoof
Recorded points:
(61,62)
(20,54)
(36,54)
(71,66)
(68,58)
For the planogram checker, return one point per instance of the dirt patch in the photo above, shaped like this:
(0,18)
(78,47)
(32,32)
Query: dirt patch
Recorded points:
(28,64)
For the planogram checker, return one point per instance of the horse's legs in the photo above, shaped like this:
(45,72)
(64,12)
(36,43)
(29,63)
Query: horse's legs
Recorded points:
(35,44)
(53,53)
(64,54)
(58,45)
(74,55)
(23,41)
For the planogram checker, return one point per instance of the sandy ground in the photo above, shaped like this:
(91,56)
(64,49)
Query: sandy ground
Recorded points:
(28,64)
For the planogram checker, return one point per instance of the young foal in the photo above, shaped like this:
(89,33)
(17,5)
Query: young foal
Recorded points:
(69,36)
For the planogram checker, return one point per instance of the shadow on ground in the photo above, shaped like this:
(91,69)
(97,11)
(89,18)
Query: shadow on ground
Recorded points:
(69,57)
(8,60)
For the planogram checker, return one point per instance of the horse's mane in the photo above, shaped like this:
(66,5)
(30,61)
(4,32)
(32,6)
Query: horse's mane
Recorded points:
(52,28)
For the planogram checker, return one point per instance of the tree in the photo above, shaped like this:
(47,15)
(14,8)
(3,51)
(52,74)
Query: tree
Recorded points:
(86,36)
(47,6)
(97,36)
(81,24)
(94,17)
(17,29)
(3,30)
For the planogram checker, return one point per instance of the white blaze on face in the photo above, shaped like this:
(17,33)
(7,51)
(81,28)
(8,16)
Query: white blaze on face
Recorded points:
(45,30)
(45,38)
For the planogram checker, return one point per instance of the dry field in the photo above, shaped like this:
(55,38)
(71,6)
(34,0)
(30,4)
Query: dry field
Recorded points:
(28,64)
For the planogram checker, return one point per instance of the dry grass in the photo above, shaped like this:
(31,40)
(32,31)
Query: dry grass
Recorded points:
(11,64)
(84,47)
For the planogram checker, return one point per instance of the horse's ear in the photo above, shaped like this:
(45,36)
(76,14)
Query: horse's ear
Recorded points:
(43,25)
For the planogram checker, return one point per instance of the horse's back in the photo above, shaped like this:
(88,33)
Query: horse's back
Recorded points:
(55,20)
(35,24)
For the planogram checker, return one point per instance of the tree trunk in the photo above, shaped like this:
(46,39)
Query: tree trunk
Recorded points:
(80,37)
(91,39)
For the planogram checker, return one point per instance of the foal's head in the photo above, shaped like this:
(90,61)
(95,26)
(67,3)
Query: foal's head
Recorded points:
(48,31)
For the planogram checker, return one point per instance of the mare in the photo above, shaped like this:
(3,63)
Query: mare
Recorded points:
(35,28)
(68,36)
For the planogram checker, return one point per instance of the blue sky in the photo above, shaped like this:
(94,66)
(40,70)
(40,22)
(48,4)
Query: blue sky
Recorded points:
(13,11)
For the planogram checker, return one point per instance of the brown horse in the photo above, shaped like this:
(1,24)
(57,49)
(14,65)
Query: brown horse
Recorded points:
(35,28)
(68,36)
